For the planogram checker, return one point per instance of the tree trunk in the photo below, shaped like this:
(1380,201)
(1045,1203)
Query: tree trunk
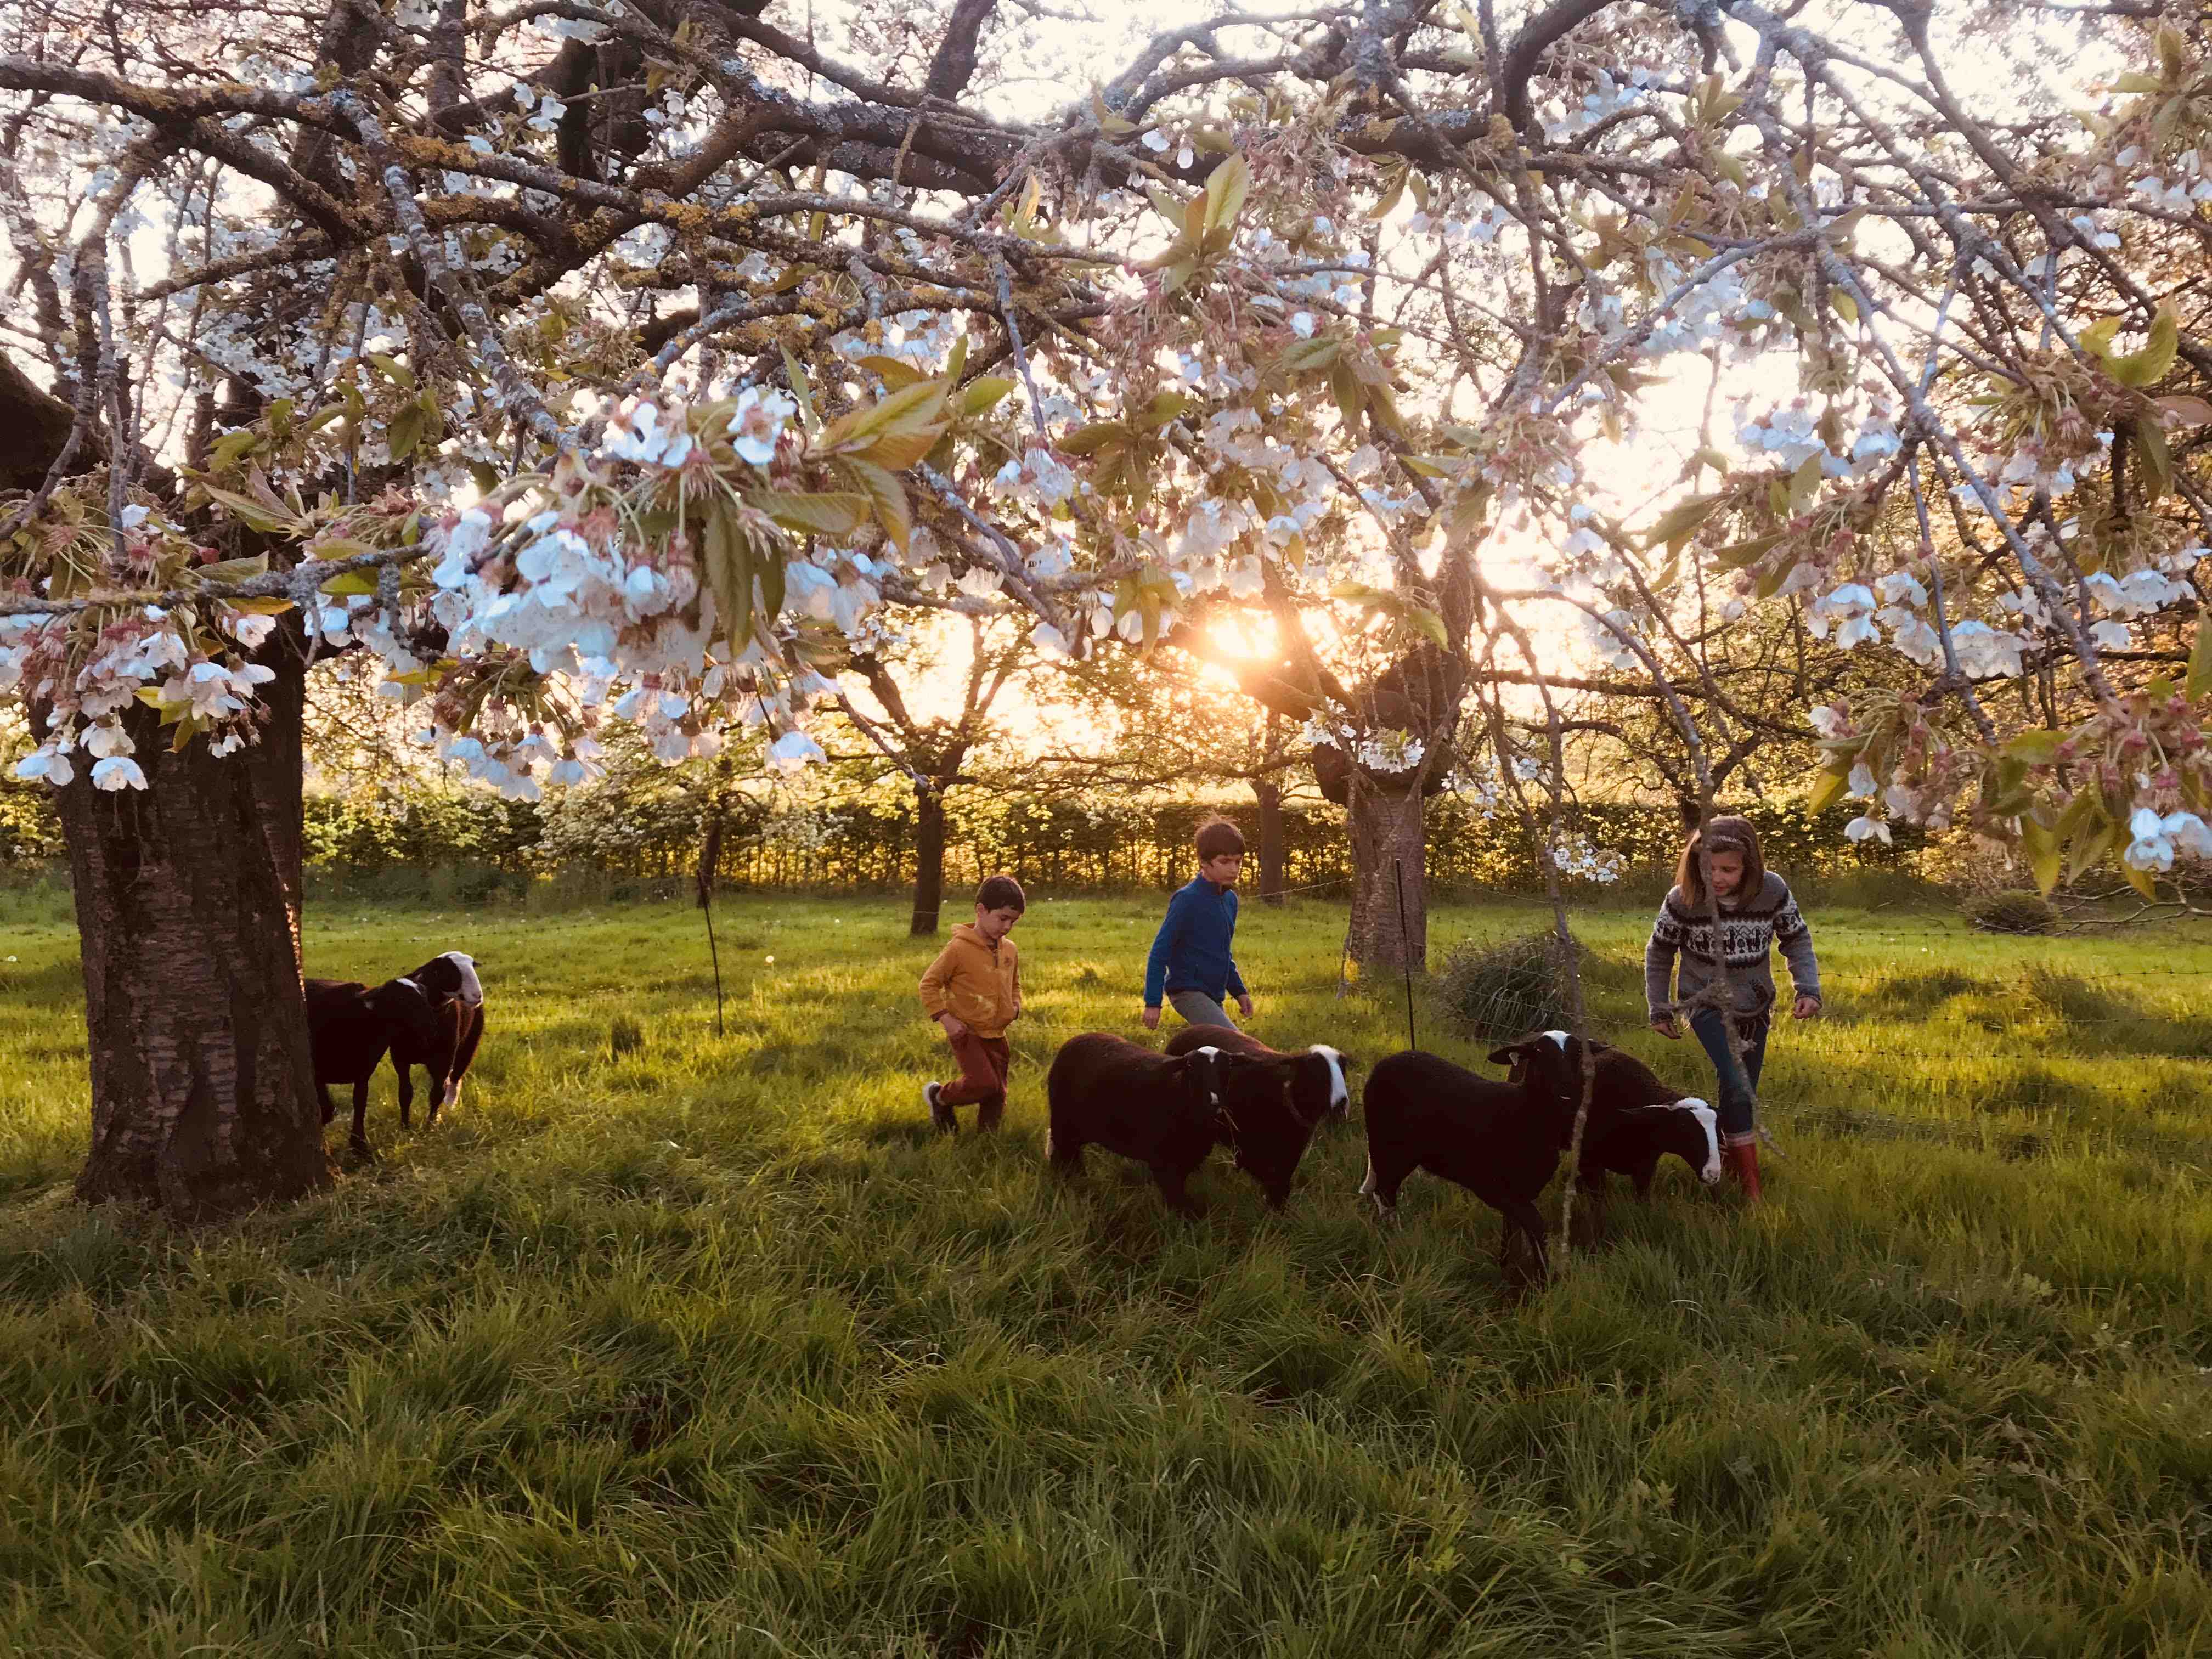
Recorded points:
(188,907)
(1388,840)
(1270,797)
(928,860)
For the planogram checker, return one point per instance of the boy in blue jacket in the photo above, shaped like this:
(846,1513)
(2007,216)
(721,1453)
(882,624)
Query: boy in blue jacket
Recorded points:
(1191,959)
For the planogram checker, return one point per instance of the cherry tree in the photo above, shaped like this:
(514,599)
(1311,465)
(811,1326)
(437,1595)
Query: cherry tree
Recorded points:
(589,362)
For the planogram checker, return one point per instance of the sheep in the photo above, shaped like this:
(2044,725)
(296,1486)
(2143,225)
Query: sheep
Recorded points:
(349,1029)
(1321,1088)
(1168,1113)
(1635,1117)
(1501,1141)
(456,995)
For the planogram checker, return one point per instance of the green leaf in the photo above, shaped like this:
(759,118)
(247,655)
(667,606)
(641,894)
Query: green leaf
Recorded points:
(2040,844)
(835,513)
(405,432)
(2157,458)
(2200,659)
(1226,187)
(1090,439)
(894,372)
(2098,336)
(2152,363)
(1164,408)
(1771,580)
(253,514)
(729,569)
(1680,520)
(2038,748)
(2090,842)
(398,373)
(1740,555)
(233,570)
(1828,788)
(1805,482)
(771,587)
(984,393)
(888,497)
(1430,625)
(350,582)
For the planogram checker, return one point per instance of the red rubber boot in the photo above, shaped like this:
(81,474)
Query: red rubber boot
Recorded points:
(1743,1160)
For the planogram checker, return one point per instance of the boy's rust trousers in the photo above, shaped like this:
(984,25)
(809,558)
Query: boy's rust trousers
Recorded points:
(983,1079)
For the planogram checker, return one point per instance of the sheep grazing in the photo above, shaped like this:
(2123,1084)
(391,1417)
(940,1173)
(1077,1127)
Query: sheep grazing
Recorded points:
(456,995)
(1319,1087)
(1169,1112)
(1501,1141)
(351,1027)
(1635,1117)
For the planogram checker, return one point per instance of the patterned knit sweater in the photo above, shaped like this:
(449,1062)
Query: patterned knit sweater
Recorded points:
(1749,931)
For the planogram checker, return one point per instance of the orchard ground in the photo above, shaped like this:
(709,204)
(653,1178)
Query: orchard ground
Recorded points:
(711,1349)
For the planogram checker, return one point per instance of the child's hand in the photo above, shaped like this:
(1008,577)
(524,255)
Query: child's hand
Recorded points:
(1016,1014)
(1151,1019)
(953,1025)
(1244,1004)
(1807,1008)
(1667,1027)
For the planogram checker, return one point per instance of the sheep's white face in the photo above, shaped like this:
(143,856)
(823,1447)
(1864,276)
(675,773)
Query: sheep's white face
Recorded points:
(1708,1120)
(1340,1092)
(1210,1075)
(471,987)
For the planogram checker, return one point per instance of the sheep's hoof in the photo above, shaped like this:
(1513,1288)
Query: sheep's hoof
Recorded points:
(360,1151)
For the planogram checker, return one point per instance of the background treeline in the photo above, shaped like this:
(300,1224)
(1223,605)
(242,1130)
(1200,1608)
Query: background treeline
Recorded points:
(863,839)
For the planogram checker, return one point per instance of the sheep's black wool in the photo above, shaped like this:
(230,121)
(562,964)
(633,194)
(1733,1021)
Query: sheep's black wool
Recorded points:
(1169,1111)
(432,1018)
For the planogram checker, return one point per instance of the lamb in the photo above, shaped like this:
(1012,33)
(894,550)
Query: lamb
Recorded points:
(1319,1088)
(1501,1141)
(349,1029)
(1635,1118)
(1169,1112)
(456,995)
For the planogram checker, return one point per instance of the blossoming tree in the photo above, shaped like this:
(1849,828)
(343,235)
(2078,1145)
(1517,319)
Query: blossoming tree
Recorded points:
(614,359)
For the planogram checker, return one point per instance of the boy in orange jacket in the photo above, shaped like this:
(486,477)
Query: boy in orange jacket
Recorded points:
(974,992)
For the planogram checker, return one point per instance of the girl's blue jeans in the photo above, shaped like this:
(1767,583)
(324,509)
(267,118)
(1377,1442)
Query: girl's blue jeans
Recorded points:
(1738,1082)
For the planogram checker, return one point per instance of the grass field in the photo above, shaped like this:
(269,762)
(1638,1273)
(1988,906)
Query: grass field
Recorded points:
(710,1349)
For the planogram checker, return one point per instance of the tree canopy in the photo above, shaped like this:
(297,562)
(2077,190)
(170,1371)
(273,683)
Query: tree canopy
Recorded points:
(627,360)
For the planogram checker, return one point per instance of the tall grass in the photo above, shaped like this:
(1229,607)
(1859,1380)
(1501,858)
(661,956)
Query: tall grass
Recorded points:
(709,1348)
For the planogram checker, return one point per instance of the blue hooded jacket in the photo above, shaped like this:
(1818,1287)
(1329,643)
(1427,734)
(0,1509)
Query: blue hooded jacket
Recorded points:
(1191,952)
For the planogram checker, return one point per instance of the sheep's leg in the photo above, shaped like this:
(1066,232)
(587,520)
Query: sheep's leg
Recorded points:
(1642,1175)
(330,1107)
(1382,1190)
(437,1099)
(1526,1218)
(1177,1196)
(466,1057)
(1063,1151)
(361,1117)
(406,1091)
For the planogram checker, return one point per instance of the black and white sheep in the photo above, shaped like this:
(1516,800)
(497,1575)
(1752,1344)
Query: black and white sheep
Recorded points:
(1501,1141)
(456,995)
(432,1018)
(1636,1118)
(351,1027)
(1169,1111)
(1320,1085)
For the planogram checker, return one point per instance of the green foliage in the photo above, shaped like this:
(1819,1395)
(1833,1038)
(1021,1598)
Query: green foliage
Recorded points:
(717,1351)
(2013,910)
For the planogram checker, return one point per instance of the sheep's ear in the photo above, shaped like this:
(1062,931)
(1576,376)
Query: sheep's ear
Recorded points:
(1509,1055)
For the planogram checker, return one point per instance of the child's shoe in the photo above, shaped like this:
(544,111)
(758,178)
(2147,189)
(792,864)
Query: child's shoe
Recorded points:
(940,1114)
(1743,1160)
